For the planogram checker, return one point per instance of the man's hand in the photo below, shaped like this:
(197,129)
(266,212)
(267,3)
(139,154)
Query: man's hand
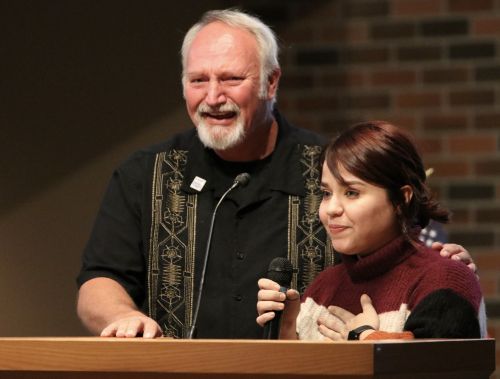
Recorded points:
(106,309)
(133,325)
(456,252)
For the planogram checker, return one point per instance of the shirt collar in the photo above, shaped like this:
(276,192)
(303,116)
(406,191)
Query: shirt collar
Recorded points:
(283,171)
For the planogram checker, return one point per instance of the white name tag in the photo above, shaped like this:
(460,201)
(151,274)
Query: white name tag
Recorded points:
(198,183)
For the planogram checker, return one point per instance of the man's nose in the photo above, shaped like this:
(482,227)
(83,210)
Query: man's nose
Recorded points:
(215,93)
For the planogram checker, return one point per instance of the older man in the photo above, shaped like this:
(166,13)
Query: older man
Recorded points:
(142,266)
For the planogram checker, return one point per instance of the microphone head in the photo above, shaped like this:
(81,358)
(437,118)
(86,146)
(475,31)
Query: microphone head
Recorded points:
(280,270)
(242,179)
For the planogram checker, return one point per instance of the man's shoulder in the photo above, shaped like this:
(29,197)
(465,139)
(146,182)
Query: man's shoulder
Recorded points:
(180,141)
(145,157)
(308,137)
(300,135)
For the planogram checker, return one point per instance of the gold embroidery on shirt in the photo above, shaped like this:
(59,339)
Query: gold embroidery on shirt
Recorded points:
(309,250)
(173,239)
(190,255)
(171,258)
(293,220)
(156,200)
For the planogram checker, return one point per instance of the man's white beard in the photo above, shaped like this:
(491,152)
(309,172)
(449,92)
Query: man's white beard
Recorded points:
(220,137)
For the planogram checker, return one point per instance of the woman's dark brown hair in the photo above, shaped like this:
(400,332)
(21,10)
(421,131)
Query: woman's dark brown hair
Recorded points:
(385,156)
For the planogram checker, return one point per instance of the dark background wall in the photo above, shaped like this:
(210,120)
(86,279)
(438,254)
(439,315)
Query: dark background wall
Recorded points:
(85,83)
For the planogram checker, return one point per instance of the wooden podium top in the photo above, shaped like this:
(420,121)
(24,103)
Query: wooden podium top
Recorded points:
(166,358)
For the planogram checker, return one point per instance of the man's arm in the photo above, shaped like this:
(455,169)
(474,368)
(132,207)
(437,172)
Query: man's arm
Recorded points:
(106,309)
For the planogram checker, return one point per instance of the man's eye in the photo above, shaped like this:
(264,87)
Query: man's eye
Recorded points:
(197,80)
(233,79)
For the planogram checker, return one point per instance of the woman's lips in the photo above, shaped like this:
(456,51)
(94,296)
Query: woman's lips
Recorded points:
(336,229)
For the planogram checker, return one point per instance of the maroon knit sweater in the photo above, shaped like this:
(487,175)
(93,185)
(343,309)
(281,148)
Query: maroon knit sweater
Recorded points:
(441,296)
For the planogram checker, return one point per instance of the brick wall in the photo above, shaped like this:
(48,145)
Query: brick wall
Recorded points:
(431,66)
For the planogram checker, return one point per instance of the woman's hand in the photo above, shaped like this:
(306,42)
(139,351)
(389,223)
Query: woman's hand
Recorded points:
(270,299)
(337,328)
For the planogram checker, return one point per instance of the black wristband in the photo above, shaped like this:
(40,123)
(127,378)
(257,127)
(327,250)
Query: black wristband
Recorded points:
(355,333)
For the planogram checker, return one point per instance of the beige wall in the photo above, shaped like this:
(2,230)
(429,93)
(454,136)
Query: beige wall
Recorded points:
(42,240)
(83,86)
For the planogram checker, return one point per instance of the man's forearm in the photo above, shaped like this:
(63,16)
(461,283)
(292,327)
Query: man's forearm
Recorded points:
(102,301)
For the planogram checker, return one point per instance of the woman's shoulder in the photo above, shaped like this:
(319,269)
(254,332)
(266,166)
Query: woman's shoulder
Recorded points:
(448,273)
(447,267)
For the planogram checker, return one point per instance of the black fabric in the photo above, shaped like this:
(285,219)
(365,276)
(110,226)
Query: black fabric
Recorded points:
(443,314)
(250,229)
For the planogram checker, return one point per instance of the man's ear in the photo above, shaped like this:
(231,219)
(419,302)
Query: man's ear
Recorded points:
(273,81)
(407,192)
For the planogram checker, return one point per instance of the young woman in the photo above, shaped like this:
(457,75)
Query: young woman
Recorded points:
(389,285)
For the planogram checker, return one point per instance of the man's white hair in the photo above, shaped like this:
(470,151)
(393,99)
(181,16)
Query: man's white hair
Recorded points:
(266,41)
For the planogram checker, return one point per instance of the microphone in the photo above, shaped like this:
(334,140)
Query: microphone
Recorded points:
(280,271)
(240,180)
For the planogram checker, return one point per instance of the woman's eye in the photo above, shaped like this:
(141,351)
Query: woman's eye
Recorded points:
(325,194)
(351,193)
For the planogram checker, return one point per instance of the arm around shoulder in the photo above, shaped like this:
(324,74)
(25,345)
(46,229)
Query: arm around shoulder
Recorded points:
(106,309)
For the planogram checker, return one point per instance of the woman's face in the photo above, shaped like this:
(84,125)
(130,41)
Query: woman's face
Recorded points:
(357,215)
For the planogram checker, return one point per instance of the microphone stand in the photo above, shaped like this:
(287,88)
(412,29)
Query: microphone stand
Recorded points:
(240,179)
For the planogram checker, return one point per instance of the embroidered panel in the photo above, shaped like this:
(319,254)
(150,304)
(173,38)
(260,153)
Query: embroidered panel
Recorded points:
(172,241)
(310,250)
(171,265)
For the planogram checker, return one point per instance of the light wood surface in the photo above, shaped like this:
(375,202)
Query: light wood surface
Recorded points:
(166,358)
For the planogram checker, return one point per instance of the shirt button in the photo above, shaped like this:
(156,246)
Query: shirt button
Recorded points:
(240,256)
(238,297)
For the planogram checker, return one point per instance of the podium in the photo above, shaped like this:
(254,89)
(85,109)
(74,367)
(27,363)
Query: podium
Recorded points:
(111,358)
